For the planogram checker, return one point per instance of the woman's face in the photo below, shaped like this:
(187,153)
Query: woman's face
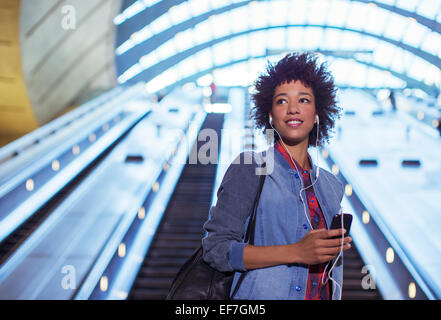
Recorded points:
(293,111)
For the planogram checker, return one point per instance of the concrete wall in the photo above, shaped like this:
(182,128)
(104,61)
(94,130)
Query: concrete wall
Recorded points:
(67,52)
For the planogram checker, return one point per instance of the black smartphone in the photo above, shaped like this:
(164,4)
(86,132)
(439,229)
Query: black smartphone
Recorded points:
(347,221)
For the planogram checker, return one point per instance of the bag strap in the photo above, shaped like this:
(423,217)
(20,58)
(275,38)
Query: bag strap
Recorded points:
(249,236)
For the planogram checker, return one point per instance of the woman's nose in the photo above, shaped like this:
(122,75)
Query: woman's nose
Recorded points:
(293,108)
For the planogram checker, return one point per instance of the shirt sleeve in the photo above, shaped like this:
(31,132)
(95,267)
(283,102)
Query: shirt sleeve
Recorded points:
(225,228)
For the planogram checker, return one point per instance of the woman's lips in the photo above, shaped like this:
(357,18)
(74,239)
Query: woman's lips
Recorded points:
(294,123)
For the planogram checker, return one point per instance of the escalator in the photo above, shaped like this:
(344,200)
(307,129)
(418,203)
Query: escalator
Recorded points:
(180,231)
(354,275)
(12,243)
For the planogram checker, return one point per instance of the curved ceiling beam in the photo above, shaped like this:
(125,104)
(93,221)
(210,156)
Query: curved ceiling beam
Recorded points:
(429,23)
(155,41)
(148,15)
(149,73)
(411,83)
(143,18)
(151,44)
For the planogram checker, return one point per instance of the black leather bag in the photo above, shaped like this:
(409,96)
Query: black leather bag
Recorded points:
(196,280)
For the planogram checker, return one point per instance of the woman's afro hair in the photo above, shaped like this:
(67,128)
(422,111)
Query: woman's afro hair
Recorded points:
(304,67)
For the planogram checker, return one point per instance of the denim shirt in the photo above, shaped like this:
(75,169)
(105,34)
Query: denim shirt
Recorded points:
(280,220)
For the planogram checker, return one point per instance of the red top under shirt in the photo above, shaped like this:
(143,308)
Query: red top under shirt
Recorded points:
(315,290)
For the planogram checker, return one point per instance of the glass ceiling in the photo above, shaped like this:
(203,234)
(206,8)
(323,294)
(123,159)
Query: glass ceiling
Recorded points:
(368,44)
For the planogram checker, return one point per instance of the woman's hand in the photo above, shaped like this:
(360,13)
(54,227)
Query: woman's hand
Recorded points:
(317,246)
(314,248)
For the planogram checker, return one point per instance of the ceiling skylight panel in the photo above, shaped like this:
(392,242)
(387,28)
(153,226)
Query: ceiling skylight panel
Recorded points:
(257,14)
(168,77)
(221,53)
(374,78)
(415,33)
(197,7)
(407,59)
(257,43)
(428,8)
(160,24)
(166,50)
(395,27)
(383,54)
(127,45)
(313,38)
(204,59)
(184,40)
(418,69)
(239,47)
(239,21)
(398,62)
(432,43)
(350,40)
(150,3)
(214,4)
(337,13)
(187,67)
(276,39)
(255,67)
(134,9)
(235,75)
(342,71)
(318,11)
(148,60)
(278,13)
(433,76)
(332,39)
(376,19)
(141,35)
(179,13)
(130,73)
(295,38)
(379,78)
(358,74)
(220,25)
(408,5)
(357,16)
(202,32)
(298,11)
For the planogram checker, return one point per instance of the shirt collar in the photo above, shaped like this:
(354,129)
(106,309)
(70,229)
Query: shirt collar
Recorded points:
(287,157)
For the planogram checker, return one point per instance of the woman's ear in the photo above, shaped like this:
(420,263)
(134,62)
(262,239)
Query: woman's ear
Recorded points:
(270,119)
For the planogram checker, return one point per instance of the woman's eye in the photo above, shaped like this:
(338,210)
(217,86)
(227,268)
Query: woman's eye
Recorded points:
(280,101)
(304,100)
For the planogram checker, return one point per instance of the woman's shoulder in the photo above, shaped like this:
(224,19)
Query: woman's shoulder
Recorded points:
(245,167)
(249,157)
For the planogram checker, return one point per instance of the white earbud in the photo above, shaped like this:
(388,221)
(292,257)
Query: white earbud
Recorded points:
(317,119)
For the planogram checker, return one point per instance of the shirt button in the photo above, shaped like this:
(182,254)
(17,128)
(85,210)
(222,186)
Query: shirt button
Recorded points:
(305,226)
(312,201)
(314,283)
(298,288)
(297,175)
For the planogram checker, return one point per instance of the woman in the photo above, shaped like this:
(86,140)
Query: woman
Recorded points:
(293,250)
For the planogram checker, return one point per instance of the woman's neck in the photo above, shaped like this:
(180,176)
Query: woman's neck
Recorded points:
(299,152)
